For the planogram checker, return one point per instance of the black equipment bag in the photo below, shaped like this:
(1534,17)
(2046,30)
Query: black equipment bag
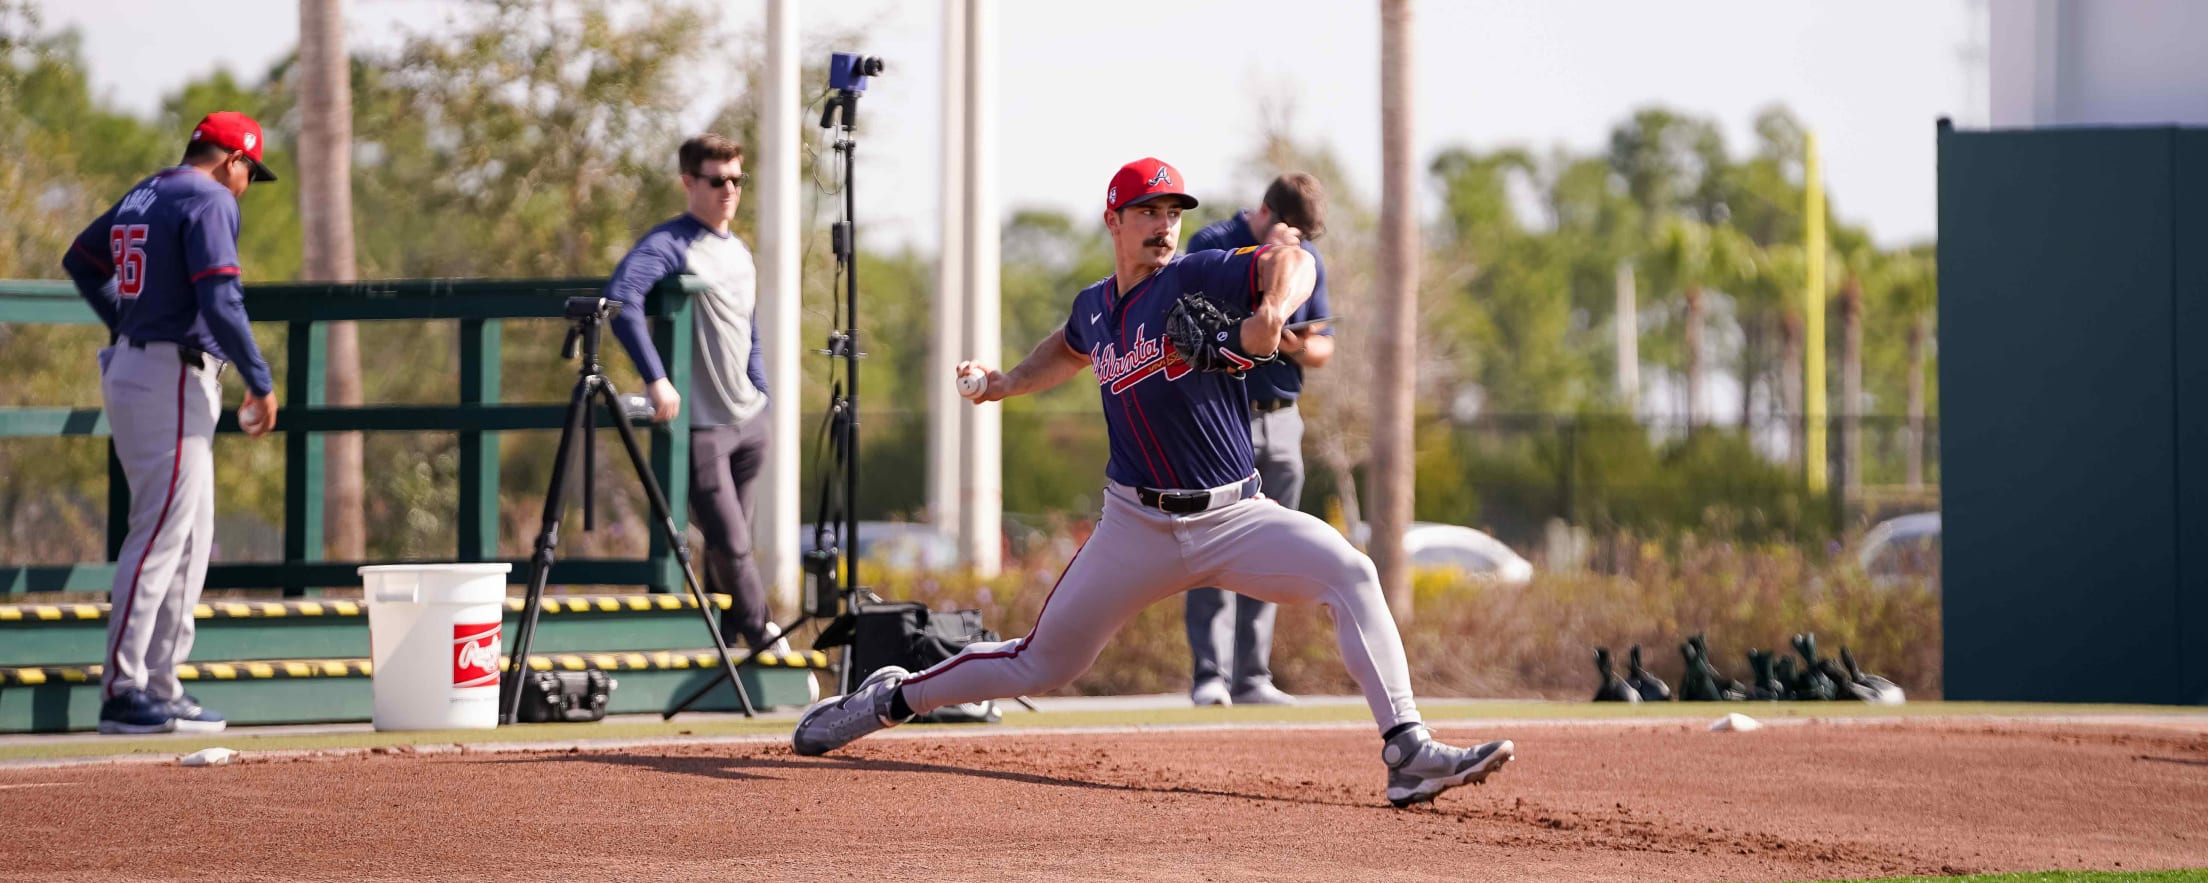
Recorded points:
(908,634)
(565,696)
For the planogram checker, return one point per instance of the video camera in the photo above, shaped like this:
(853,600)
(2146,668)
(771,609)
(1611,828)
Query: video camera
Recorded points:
(847,72)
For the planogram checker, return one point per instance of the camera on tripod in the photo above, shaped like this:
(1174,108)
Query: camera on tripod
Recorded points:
(592,307)
(577,453)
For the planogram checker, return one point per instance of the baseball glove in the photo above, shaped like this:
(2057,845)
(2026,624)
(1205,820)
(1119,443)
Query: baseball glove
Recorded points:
(1208,337)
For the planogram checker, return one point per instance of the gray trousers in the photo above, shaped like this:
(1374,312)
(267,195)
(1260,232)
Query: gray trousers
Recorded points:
(1139,556)
(724,461)
(161,414)
(1277,438)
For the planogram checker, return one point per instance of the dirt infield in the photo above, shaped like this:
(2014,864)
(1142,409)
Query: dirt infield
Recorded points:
(1587,801)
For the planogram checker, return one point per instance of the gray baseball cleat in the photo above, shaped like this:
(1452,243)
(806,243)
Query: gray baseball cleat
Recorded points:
(837,721)
(1419,768)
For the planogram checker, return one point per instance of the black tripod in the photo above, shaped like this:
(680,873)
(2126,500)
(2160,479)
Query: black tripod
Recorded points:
(589,315)
(836,530)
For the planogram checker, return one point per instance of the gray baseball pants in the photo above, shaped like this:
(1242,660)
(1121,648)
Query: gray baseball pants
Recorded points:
(161,414)
(1139,556)
(1277,439)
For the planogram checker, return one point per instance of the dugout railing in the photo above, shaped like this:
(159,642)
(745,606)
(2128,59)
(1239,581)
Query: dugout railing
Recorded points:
(480,307)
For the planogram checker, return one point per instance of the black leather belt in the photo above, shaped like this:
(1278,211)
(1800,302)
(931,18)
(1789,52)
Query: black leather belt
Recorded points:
(1189,502)
(192,356)
(1270,405)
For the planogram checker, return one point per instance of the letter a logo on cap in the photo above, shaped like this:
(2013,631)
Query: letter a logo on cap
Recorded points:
(1164,177)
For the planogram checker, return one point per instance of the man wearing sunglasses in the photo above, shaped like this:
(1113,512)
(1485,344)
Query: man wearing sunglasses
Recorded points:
(728,377)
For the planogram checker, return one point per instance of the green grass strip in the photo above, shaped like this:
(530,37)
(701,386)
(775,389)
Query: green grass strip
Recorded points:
(2060,877)
(1437,711)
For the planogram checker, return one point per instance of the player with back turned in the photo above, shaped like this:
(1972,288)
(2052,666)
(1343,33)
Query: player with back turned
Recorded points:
(1182,505)
(161,270)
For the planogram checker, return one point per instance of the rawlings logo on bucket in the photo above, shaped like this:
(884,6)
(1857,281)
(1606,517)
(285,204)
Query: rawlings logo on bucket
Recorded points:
(474,654)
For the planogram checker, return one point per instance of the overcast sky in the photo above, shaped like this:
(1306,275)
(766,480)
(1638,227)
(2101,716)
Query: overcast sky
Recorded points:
(1087,86)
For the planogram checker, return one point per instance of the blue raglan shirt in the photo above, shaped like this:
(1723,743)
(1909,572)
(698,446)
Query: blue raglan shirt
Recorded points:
(1282,378)
(681,245)
(1171,427)
(170,248)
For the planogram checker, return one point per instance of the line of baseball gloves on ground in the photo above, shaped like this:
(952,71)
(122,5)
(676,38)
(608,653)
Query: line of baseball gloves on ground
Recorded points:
(1777,677)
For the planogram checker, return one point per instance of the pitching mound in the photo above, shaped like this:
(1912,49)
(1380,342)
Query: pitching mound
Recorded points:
(1596,801)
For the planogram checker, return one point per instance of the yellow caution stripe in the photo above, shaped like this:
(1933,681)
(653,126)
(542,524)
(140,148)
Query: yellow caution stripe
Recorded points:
(660,660)
(196,671)
(617,603)
(647,660)
(309,609)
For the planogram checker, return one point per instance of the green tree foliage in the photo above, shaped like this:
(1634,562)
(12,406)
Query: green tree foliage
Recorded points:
(521,143)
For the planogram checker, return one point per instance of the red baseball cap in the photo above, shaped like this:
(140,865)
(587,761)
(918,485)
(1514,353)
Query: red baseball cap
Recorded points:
(1143,180)
(231,130)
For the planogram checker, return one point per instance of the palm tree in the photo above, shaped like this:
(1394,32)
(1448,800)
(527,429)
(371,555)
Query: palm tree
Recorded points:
(326,213)
(1910,289)
(1781,267)
(1691,257)
(1395,348)
(1859,260)
(1759,299)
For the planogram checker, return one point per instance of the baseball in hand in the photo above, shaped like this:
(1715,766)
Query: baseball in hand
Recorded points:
(249,414)
(972,382)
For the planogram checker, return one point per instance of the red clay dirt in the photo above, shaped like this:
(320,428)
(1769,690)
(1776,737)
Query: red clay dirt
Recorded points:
(1613,801)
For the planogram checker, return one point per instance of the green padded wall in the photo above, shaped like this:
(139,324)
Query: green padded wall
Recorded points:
(2069,399)
(2189,238)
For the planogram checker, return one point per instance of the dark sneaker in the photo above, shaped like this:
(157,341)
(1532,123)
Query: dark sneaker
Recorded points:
(132,711)
(191,717)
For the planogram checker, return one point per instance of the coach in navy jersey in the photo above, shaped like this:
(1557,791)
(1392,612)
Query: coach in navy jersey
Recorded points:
(161,270)
(728,375)
(1294,203)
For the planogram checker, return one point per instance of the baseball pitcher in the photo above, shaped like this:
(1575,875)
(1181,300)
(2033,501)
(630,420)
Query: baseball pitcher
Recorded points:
(1169,339)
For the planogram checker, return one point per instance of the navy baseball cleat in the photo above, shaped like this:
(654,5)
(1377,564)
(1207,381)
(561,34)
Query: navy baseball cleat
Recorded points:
(191,717)
(839,720)
(1419,768)
(132,711)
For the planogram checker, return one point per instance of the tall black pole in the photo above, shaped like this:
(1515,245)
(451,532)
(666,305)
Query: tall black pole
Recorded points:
(851,363)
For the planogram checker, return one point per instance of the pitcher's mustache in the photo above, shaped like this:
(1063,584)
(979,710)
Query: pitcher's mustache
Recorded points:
(1158,241)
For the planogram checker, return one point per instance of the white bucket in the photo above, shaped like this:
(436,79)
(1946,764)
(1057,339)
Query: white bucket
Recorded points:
(433,641)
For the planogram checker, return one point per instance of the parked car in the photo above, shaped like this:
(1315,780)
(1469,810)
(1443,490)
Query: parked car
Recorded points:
(918,545)
(1903,550)
(1433,544)
(904,545)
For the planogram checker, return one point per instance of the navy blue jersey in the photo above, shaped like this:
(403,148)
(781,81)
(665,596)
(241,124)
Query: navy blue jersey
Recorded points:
(1171,427)
(1282,378)
(170,247)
